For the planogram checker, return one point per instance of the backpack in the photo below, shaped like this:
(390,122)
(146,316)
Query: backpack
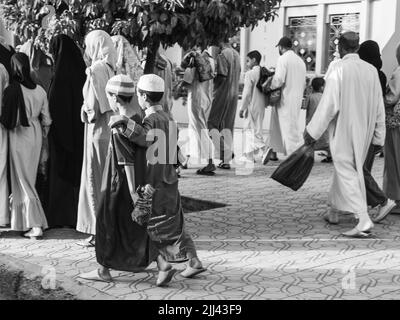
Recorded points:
(264,85)
(203,66)
(264,75)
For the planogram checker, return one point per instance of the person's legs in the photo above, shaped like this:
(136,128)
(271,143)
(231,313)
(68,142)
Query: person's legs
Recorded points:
(375,195)
(228,127)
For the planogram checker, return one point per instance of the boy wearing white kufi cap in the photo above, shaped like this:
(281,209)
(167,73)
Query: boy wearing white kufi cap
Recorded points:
(158,132)
(122,244)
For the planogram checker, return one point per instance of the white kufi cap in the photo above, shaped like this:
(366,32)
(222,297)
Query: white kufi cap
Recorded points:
(151,83)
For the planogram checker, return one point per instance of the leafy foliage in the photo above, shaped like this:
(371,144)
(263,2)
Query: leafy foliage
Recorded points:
(190,22)
(186,22)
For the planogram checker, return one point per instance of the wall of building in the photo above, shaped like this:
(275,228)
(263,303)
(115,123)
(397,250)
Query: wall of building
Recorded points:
(386,30)
(379,21)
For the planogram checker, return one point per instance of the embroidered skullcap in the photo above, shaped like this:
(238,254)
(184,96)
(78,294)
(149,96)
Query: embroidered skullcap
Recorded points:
(121,85)
(151,83)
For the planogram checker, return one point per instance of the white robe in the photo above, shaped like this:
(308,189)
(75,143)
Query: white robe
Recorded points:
(290,75)
(353,110)
(199,106)
(4,192)
(254,101)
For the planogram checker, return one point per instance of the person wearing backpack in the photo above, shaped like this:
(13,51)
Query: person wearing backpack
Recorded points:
(199,104)
(253,107)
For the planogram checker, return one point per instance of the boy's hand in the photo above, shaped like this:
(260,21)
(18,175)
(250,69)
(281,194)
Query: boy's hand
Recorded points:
(244,114)
(118,121)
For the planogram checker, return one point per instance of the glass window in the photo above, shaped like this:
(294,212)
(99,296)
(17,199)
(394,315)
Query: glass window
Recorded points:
(303,32)
(338,24)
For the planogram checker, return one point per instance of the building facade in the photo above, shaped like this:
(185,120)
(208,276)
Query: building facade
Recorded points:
(315,25)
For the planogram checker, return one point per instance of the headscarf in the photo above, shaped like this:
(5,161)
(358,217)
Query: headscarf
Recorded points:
(370,52)
(103,58)
(14,109)
(41,64)
(99,47)
(128,61)
(6,52)
(65,102)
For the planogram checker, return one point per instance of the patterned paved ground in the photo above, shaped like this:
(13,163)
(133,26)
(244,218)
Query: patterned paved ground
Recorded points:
(269,243)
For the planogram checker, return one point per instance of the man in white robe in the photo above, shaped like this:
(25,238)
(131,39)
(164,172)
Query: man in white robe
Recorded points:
(353,111)
(290,76)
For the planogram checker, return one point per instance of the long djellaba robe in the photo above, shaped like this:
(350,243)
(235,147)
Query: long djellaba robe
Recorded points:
(97,111)
(121,244)
(352,108)
(166,226)
(4,192)
(41,73)
(290,75)
(67,132)
(24,114)
(226,95)
(254,101)
(391,177)
(200,99)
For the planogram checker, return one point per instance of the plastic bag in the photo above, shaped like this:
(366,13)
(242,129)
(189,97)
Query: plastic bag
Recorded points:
(295,170)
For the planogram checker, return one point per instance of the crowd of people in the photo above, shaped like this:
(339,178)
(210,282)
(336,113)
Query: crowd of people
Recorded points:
(95,120)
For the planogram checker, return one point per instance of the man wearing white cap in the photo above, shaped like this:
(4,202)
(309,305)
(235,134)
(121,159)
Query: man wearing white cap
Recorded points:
(158,132)
(290,76)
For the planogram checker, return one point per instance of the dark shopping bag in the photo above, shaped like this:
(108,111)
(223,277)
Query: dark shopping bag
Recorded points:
(294,171)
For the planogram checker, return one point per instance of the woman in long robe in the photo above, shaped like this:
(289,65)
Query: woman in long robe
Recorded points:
(4,208)
(96,112)
(391,178)
(370,52)
(26,115)
(67,132)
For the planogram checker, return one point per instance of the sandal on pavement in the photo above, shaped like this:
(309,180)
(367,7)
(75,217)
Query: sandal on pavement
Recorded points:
(34,236)
(224,166)
(94,276)
(267,156)
(204,172)
(332,218)
(87,244)
(190,272)
(165,277)
(357,233)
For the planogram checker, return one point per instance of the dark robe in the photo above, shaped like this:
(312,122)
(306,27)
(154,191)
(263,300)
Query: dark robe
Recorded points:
(67,132)
(121,244)
(5,57)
